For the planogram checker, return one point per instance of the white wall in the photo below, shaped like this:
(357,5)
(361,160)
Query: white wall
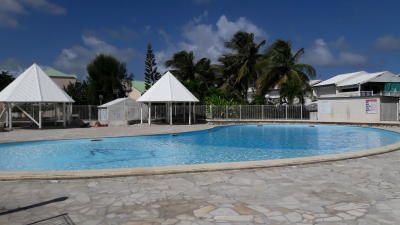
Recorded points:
(348,110)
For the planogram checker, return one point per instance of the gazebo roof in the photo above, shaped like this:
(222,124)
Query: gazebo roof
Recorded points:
(168,89)
(34,85)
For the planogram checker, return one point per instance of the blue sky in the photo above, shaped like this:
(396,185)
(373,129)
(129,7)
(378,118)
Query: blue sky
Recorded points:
(338,36)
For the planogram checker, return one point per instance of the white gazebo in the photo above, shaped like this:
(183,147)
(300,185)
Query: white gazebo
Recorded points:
(167,90)
(34,87)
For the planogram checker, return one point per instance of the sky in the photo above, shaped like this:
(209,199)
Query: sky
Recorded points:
(338,36)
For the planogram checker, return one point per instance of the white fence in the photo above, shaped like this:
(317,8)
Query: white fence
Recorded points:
(159,112)
(258,112)
(85,112)
(180,112)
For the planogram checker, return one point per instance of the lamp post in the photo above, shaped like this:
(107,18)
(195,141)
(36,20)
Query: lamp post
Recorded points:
(101,99)
(115,92)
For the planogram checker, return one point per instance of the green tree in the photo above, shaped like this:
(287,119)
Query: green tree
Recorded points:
(5,79)
(280,65)
(197,76)
(239,66)
(151,75)
(107,77)
(292,89)
(79,92)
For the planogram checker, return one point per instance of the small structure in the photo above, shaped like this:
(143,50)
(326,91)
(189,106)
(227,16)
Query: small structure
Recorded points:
(34,87)
(167,90)
(367,109)
(138,88)
(121,111)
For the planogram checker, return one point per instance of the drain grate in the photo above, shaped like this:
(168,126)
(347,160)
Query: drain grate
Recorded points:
(62,219)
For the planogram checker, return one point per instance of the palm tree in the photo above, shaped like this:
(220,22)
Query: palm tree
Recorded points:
(198,76)
(239,67)
(182,64)
(279,65)
(293,89)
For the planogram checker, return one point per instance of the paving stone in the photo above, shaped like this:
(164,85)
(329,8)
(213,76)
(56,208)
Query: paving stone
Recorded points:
(203,211)
(241,218)
(243,210)
(260,209)
(224,212)
(278,218)
(346,216)
(356,212)
(294,217)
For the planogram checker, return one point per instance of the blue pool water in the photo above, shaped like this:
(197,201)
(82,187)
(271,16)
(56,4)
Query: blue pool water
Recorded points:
(221,144)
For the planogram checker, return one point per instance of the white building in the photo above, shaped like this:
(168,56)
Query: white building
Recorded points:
(359,83)
(34,88)
(168,90)
(121,111)
(359,97)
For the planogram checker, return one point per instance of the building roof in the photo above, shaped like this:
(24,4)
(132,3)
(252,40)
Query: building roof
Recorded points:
(139,85)
(51,72)
(339,78)
(168,89)
(386,77)
(361,77)
(113,102)
(34,85)
(314,82)
(358,79)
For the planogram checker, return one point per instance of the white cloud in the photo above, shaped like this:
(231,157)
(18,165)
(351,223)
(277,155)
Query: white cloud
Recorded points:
(10,10)
(200,18)
(226,29)
(76,58)
(388,42)
(12,65)
(8,21)
(11,6)
(322,54)
(207,40)
(46,6)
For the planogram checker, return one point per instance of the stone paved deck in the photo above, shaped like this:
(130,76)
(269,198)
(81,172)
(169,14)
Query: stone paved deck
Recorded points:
(359,191)
(364,191)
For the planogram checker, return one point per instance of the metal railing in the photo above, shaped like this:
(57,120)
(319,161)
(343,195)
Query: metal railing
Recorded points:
(207,112)
(355,94)
(366,93)
(85,112)
(258,112)
(180,112)
(391,93)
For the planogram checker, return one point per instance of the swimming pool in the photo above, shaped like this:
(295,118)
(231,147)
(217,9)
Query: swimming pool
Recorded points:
(221,144)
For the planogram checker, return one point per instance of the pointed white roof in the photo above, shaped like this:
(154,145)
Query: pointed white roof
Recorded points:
(34,85)
(168,89)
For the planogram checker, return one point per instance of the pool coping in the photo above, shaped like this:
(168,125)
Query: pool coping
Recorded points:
(143,171)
